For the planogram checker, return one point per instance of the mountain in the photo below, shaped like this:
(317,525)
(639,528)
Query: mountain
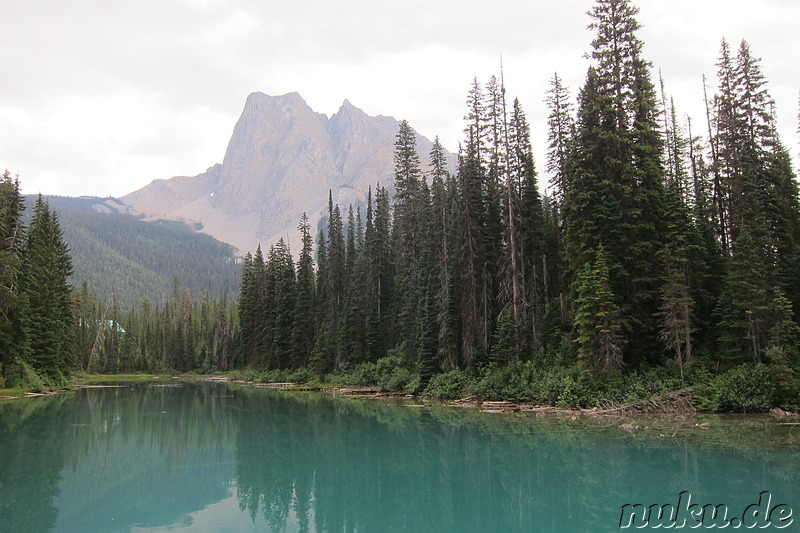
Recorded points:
(120,254)
(281,161)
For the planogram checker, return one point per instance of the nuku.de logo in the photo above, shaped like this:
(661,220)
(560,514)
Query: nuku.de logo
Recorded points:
(685,514)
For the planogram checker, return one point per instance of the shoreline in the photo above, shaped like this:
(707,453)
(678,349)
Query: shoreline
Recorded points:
(507,407)
(677,403)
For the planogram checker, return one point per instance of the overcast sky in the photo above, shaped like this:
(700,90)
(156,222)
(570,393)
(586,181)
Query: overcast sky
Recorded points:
(101,97)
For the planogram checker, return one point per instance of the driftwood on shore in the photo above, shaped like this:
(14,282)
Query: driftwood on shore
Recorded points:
(677,402)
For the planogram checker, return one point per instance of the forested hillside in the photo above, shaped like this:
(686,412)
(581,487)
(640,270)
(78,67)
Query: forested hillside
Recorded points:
(121,255)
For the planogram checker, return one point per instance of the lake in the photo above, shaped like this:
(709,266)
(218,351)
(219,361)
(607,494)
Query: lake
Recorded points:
(214,457)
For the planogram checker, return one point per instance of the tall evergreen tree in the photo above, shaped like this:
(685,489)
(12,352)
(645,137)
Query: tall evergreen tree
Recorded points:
(599,321)
(616,189)
(48,320)
(282,301)
(474,339)
(444,240)
(407,229)
(560,131)
(380,276)
(328,353)
(304,310)
(533,272)
(12,235)
(247,306)
(760,196)
(352,336)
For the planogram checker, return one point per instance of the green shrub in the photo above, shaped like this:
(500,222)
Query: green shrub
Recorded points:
(385,366)
(569,393)
(364,374)
(503,383)
(300,375)
(560,386)
(748,387)
(243,374)
(393,375)
(20,375)
(449,385)
(783,368)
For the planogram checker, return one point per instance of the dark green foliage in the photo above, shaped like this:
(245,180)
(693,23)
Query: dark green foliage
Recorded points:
(124,256)
(393,374)
(46,268)
(599,322)
(615,191)
(449,385)
(390,373)
(305,305)
(12,303)
(20,375)
(746,388)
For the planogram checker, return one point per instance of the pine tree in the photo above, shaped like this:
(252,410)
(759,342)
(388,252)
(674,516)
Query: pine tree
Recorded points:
(599,321)
(331,258)
(283,300)
(48,320)
(532,271)
(352,335)
(561,129)
(407,228)
(247,306)
(616,189)
(476,123)
(444,239)
(677,310)
(473,323)
(761,200)
(380,276)
(304,311)
(12,235)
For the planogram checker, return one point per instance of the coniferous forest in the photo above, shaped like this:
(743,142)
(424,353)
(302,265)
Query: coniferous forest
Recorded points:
(665,257)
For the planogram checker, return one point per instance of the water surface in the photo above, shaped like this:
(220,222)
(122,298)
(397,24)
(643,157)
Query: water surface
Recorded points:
(200,457)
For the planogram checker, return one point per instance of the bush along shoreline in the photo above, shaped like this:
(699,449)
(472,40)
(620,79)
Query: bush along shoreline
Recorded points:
(748,388)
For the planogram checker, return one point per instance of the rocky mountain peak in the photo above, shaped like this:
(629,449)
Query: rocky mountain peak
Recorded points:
(281,161)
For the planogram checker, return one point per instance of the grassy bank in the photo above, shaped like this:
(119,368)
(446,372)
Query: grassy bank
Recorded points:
(77,380)
(7,394)
(84,379)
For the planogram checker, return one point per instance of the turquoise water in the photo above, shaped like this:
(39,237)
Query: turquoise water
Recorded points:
(207,457)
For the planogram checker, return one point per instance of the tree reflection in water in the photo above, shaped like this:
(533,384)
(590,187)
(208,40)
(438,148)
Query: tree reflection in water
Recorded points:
(203,457)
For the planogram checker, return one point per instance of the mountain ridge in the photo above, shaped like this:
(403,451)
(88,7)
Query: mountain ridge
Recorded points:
(282,159)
